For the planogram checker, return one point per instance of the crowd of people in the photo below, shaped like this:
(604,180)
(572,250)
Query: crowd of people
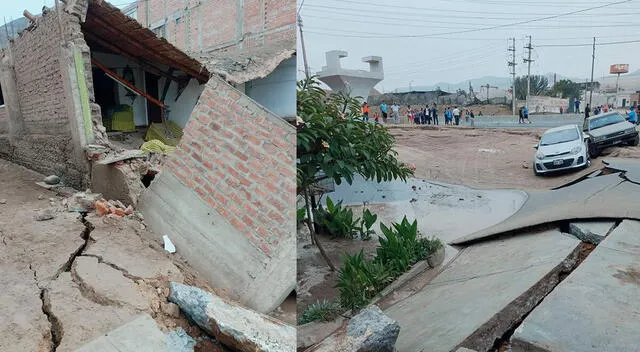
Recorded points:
(418,115)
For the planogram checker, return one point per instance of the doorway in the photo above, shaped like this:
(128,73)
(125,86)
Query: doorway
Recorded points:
(153,111)
(105,90)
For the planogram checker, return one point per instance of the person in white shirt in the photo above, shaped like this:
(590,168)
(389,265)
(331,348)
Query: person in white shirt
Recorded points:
(395,109)
(456,115)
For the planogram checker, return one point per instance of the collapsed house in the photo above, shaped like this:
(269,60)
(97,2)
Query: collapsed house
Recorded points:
(225,196)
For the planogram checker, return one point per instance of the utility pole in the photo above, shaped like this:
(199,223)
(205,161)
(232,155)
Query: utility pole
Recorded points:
(488,87)
(304,52)
(512,66)
(593,60)
(528,61)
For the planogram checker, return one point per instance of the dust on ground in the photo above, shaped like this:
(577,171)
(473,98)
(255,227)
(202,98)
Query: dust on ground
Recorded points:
(485,158)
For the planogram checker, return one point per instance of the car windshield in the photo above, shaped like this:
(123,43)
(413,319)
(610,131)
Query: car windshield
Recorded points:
(605,121)
(561,136)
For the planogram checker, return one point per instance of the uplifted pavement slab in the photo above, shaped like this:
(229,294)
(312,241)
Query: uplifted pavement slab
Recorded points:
(607,196)
(631,167)
(484,292)
(77,319)
(117,242)
(139,335)
(597,307)
(234,326)
(591,231)
(107,285)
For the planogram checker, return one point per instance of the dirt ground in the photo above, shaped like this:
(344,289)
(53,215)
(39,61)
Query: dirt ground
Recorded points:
(484,158)
(70,279)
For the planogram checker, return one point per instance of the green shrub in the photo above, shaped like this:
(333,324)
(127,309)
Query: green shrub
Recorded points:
(337,220)
(368,219)
(398,246)
(359,280)
(320,311)
(428,246)
(301,215)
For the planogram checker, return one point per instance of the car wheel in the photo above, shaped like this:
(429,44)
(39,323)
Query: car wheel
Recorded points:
(593,151)
(535,171)
(636,141)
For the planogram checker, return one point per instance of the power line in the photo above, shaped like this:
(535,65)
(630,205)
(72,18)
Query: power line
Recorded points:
(588,44)
(508,24)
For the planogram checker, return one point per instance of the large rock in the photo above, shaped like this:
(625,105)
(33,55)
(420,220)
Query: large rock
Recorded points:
(597,307)
(232,325)
(484,292)
(591,231)
(368,331)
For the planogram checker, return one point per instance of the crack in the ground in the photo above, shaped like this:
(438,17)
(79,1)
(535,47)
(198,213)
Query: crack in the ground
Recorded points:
(86,236)
(89,293)
(124,272)
(56,327)
(584,251)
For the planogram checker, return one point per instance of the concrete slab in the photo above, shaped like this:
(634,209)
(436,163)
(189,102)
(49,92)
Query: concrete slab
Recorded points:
(597,307)
(630,166)
(483,292)
(127,154)
(605,196)
(591,231)
(140,335)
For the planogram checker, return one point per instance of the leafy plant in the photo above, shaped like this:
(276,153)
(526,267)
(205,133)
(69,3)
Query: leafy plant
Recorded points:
(337,220)
(428,246)
(301,214)
(368,219)
(360,279)
(398,246)
(323,310)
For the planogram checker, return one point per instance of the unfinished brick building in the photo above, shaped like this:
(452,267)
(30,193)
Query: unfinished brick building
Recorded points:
(251,43)
(225,196)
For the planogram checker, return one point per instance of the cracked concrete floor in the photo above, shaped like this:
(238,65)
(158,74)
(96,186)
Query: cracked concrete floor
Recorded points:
(69,280)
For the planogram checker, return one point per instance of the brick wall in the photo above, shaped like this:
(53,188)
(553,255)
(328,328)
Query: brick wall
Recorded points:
(46,143)
(218,24)
(240,159)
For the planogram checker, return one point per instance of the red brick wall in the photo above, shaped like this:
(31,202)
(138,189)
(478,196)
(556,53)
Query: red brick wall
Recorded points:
(214,24)
(240,159)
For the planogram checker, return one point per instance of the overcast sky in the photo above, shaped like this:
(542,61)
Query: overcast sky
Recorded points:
(14,9)
(417,42)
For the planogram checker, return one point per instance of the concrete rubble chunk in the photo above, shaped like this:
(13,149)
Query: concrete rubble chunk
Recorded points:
(596,307)
(232,325)
(368,331)
(591,231)
(52,180)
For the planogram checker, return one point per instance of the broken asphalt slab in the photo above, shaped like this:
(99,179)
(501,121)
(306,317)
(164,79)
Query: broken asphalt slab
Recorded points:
(234,326)
(368,331)
(608,196)
(139,335)
(597,307)
(484,292)
(591,231)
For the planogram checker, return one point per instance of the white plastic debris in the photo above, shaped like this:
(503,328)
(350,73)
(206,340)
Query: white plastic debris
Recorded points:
(168,245)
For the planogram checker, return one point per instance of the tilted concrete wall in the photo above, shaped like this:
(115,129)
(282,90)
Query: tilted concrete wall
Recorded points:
(46,78)
(226,197)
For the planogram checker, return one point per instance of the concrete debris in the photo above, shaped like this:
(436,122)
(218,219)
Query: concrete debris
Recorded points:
(82,202)
(141,334)
(95,152)
(52,180)
(232,325)
(43,215)
(591,231)
(369,331)
(3,201)
(171,309)
(179,341)
(126,155)
(168,245)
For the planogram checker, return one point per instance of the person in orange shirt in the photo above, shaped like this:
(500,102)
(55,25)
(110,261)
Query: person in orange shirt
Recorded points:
(376,117)
(365,112)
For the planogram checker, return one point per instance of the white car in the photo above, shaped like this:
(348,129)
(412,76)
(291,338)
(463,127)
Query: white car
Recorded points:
(561,148)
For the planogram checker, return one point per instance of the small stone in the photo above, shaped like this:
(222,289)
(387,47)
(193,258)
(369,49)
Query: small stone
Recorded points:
(3,201)
(159,290)
(44,215)
(142,227)
(140,216)
(525,166)
(52,180)
(41,196)
(171,309)
(52,199)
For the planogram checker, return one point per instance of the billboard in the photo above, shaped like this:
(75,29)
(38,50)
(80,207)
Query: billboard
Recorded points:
(619,68)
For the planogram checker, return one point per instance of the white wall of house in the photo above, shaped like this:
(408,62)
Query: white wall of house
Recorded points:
(117,64)
(277,91)
(181,110)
